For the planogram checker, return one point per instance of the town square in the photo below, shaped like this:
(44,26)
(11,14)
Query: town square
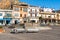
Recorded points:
(29,20)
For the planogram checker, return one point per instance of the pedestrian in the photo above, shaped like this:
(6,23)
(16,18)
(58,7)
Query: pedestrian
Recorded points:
(24,26)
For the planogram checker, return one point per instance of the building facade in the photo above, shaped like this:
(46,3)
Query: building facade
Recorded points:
(48,16)
(33,13)
(5,16)
(22,10)
(16,17)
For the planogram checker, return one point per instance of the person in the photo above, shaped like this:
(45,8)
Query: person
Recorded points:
(24,26)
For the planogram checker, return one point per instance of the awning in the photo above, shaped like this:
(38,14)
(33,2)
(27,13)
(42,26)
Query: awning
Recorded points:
(1,18)
(7,18)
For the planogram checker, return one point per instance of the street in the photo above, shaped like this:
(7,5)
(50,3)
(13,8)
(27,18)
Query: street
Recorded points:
(53,34)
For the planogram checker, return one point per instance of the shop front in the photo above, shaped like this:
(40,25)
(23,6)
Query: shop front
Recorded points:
(7,20)
(1,21)
(16,20)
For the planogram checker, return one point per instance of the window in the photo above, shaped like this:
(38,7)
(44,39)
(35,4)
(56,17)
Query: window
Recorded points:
(1,21)
(25,9)
(30,11)
(16,14)
(21,8)
(8,15)
(49,16)
(31,15)
(20,15)
(16,9)
(24,15)
(0,14)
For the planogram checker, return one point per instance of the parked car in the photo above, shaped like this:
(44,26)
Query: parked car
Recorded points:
(18,30)
(43,24)
(2,24)
(32,30)
(22,29)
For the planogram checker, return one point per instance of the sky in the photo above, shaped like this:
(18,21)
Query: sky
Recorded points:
(54,4)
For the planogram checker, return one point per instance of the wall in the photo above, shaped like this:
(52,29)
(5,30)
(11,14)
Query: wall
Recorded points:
(33,11)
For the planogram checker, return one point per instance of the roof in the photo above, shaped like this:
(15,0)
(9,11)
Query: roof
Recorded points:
(21,4)
(31,6)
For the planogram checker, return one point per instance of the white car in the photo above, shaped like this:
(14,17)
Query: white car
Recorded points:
(18,30)
(2,24)
(32,30)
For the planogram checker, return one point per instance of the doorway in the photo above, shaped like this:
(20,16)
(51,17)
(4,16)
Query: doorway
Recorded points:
(16,22)
(7,21)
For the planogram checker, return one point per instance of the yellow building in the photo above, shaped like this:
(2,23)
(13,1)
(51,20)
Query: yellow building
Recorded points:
(22,8)
(49,17)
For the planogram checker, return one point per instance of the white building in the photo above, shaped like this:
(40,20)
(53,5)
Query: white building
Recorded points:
(33,13)
(16,17)
(16,14)
(5,16)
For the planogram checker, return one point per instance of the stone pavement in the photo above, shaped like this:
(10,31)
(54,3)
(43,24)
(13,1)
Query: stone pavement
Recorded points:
(53,34)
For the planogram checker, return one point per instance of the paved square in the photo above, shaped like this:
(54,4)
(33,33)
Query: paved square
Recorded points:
(53,34)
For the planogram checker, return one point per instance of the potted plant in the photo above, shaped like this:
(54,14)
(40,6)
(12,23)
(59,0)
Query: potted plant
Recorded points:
(1,29)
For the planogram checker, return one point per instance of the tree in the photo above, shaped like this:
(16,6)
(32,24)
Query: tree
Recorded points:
(40,18)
